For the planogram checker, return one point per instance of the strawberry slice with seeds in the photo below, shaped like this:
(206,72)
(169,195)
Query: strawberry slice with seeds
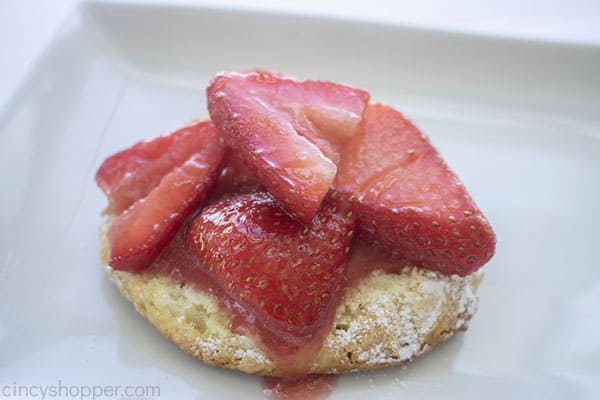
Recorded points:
(290,133)
(132,173)
(285,271)
(409,201)
(138,234)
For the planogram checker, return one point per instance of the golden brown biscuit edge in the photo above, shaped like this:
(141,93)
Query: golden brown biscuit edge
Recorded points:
(386,319)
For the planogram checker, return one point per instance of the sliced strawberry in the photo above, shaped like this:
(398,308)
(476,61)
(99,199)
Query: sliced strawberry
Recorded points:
(138,234)
(290,133)
(409,200)
(235,178)
(132,173)
(285,271)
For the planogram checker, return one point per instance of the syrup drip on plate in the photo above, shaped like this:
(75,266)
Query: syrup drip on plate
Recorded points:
(308,387)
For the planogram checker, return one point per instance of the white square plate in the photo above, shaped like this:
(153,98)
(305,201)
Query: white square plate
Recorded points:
(519,121)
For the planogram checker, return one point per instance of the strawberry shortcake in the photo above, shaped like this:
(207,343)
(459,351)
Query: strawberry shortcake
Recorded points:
(301,229)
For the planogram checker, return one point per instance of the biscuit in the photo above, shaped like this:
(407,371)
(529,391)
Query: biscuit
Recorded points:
(386,319)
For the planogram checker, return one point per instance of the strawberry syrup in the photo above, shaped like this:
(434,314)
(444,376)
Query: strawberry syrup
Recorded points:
(293,355)
(309,387)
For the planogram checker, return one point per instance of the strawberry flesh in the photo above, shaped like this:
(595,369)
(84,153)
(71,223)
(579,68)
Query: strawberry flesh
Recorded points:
(409,201)
(137,235)
(285,271)
(290,133)
(131,174)
(235,178)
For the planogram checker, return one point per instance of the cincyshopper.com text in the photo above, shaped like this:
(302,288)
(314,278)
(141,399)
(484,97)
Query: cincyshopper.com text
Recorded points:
(60,390)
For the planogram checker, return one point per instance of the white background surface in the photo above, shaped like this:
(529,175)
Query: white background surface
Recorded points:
(27,26)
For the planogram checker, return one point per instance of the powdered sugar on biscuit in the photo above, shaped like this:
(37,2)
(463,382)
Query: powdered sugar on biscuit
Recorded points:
(386,319)
(402,315)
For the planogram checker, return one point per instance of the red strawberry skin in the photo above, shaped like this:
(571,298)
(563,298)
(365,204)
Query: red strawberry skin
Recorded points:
(285,271)
(131,174)
(409,201)
(138,234)
(289,133)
